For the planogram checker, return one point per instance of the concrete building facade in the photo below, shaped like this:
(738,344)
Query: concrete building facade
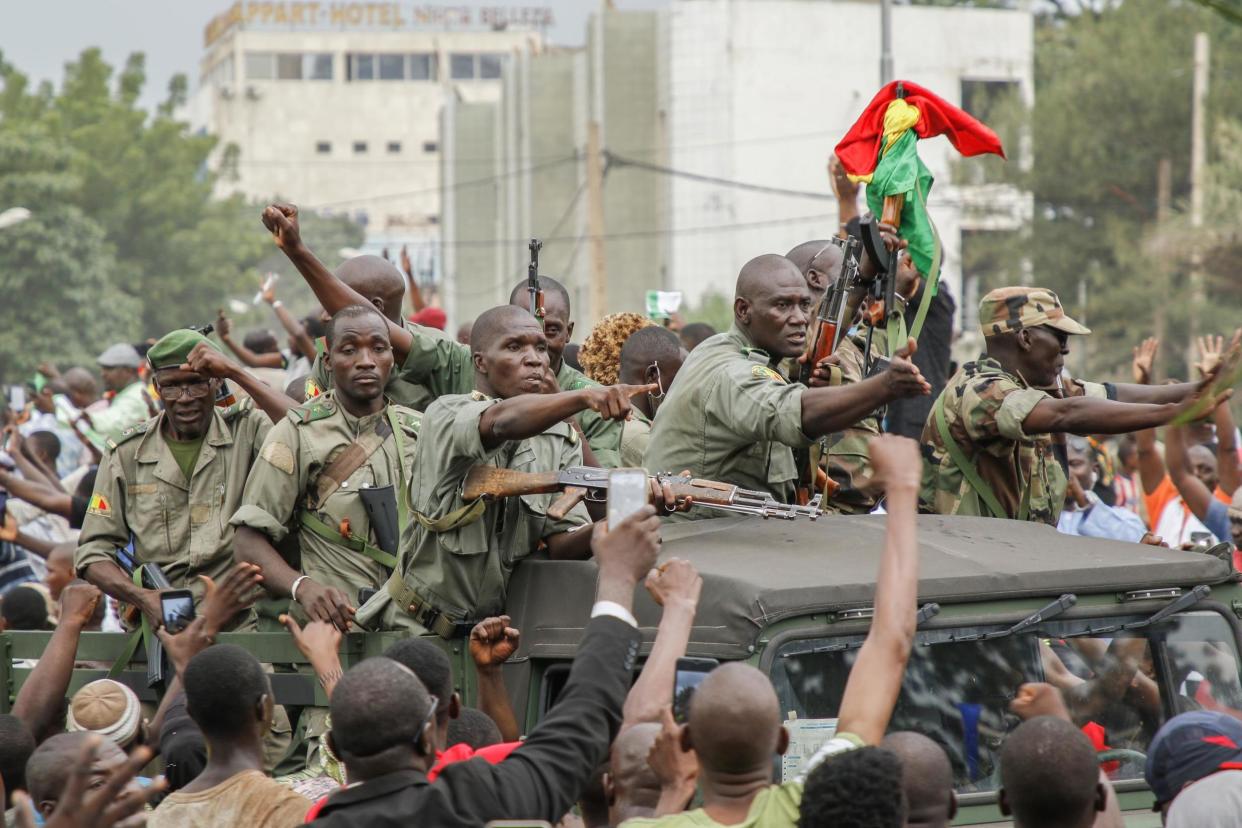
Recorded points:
(337,106)
(748,91)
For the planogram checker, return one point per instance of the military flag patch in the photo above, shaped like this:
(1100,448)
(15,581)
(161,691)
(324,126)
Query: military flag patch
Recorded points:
(764,372)
(99,505)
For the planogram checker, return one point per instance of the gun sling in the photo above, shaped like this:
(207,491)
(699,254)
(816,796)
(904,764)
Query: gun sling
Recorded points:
(142,633)
(339,470)
(968,470)
(436,620)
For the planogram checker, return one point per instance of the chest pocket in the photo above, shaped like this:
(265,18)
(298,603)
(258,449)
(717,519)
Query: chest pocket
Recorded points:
(345,503)
(157,517)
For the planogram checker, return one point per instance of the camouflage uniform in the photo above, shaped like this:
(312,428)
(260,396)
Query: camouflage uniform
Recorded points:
(849,459)
(984,407)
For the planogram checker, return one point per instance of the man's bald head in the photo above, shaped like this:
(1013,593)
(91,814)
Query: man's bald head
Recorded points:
(927,778)
(494,323)
(819,262)
(634,786)
(553,292)
(379,282)
(80,386)
(762,273)
(735,721)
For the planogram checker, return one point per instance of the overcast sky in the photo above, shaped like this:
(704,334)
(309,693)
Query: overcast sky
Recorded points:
(39,36)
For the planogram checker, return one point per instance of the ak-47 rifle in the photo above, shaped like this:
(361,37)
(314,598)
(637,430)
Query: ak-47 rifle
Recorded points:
(830,322)
(532,280)
(583,483)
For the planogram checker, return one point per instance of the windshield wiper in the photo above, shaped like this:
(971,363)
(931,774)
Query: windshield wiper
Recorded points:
(1052,610)
(1180,604)
(926,612)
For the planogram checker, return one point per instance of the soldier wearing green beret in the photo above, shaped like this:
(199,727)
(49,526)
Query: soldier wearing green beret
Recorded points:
(989,439)
(429,358)
(167,487)
(334,471)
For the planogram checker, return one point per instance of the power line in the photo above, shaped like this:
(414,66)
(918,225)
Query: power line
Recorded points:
(710,179)
(640,234)
(439,188)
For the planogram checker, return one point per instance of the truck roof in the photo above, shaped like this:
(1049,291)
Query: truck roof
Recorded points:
(757,572)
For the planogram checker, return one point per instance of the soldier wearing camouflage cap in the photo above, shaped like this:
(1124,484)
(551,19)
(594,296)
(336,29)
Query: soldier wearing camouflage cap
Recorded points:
(988,441)
(167,486)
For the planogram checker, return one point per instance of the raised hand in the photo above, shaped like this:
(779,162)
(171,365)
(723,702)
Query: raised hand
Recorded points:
(224,325)
(612,402)
(675,580)
(895,461)
(904,377)
(240,588)
(115,802)
(493,642)
(1144,357)
(629,550)
(209,362)
(281,220)
(1211,349)
(844,189)
(326,604)
(77,603)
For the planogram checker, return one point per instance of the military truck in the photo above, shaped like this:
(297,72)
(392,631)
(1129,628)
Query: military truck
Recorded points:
(1132,633)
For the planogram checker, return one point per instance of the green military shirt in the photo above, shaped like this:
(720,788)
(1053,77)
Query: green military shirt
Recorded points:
(984,408)
(399,390)
(445,366)
(849,457)
(283,481)
(182,525)
(731,417)
(464,571)
(635,437)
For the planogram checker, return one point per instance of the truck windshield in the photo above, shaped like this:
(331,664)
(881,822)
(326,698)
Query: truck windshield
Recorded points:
(1119,687)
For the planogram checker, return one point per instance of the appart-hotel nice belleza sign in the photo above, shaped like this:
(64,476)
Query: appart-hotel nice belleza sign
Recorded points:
(294,14)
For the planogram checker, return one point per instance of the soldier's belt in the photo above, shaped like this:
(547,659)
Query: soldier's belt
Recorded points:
(436,620)
(352,542)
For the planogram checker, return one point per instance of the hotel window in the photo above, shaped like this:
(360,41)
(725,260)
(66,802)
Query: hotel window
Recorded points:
(422,67)
(360,147)
(362,67)
(461,67)
(318,66)
(289,66)
(394,147)
(323,147)
(260,66)
(490,66)
(391,67)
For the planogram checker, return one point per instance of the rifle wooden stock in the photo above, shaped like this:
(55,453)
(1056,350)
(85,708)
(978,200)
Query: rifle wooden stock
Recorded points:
(491,482)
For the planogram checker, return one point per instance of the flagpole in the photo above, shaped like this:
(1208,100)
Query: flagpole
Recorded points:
(886,41)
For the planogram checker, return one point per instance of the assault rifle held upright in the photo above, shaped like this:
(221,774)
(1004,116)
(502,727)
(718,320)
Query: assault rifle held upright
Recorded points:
(583,483)
(532,280)
(830,322)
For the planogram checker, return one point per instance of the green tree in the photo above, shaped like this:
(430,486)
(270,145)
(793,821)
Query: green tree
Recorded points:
(1112,100)
(55,267)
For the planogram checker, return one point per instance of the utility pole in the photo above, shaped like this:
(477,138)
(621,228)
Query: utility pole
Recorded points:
(1164,204)
(886,41)
(1198,151)
(595,175)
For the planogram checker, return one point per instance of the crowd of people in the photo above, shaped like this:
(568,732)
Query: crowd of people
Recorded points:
(323,484)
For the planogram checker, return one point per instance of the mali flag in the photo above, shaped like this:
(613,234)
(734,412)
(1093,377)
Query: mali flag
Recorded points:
(881,149)
(98,505)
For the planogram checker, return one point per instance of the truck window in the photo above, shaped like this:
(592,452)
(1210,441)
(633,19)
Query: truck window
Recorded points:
(959,685)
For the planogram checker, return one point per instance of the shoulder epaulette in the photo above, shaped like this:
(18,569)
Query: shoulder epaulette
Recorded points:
(408,418)
(757,355)
(310,411)
(130,433)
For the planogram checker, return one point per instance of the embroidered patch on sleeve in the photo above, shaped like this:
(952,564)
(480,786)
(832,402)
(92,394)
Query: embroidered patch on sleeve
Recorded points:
(279,455)
(764,372)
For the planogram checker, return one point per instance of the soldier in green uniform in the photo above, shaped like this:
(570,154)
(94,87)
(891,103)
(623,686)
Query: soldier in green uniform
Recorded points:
(313,476)
(456,560)
(651,355)
(167,487)
(379,282)
(431,359)
(988,442)
(733,417)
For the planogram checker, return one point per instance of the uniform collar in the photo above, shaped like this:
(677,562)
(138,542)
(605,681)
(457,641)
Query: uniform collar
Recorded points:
(756,355)
(357,424)
(989,365)
(153,449)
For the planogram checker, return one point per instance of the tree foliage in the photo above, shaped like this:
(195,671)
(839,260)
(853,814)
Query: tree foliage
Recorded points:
(128,239)
(1112,100)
